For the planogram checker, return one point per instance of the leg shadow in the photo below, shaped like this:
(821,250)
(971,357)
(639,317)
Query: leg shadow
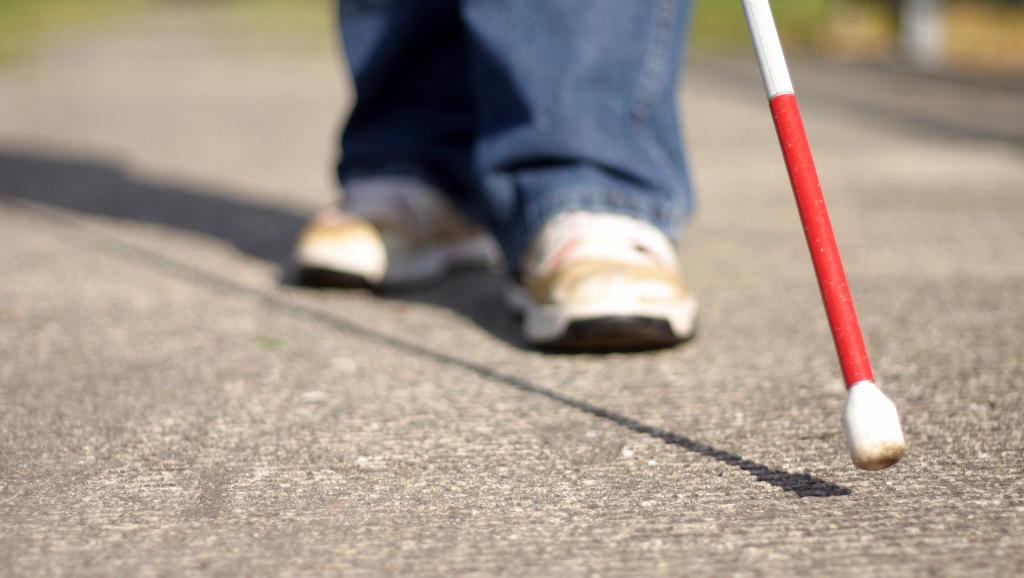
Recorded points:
(263,231)
(91,187)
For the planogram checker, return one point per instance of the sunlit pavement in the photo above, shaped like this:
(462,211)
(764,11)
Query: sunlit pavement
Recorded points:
(169,406)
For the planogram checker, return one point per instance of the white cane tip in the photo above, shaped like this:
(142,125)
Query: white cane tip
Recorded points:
(872,426)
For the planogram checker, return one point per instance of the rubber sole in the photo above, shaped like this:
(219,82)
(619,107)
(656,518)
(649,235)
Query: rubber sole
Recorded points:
(329,279)
(622,333)
(603,327)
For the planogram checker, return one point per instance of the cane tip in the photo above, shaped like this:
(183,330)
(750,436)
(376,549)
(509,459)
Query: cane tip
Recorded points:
(872,425)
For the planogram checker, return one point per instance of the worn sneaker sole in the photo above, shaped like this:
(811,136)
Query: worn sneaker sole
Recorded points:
(321,278)
(605,326)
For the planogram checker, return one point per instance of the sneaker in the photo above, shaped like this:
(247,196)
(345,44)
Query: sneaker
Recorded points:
(390,232)
(600,282)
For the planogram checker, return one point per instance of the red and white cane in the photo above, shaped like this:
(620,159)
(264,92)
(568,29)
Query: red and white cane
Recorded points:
(872,425)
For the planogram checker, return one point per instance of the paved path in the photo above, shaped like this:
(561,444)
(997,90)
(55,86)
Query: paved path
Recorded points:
(168,408)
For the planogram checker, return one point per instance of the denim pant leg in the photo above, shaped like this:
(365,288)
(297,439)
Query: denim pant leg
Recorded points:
(414,113)
(576,109)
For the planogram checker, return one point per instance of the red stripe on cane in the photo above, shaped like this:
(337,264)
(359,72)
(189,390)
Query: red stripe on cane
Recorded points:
(835,291)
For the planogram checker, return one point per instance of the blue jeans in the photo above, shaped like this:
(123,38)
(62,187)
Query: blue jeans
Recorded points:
(522,109)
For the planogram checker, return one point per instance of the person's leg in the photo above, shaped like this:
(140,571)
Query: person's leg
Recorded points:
(406,153)
(576,109)
(579,152)
(414,115)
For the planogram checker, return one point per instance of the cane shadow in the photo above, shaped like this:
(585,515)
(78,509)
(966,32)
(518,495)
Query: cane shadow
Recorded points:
(267,233)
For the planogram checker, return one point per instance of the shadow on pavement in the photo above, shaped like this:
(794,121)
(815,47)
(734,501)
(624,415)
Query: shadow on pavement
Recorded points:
(267,233)
(103,189)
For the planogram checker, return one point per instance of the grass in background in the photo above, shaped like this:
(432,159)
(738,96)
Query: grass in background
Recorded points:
(983,35)
(986,36)
(294,24)
(25,23)
(719,25)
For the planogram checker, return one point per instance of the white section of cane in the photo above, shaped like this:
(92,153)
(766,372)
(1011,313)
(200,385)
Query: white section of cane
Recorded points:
(768,47)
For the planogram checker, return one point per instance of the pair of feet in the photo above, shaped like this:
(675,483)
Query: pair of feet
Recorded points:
(589,281)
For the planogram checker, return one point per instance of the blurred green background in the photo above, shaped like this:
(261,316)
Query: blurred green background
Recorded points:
(981,35)
(26,23)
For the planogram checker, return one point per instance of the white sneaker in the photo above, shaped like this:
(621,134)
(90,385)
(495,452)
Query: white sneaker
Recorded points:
(390,232)
(598,282)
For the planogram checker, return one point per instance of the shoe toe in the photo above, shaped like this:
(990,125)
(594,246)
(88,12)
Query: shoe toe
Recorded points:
(615,283)
(353,246)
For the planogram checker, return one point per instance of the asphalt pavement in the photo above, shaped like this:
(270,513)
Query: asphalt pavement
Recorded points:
(170,405)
